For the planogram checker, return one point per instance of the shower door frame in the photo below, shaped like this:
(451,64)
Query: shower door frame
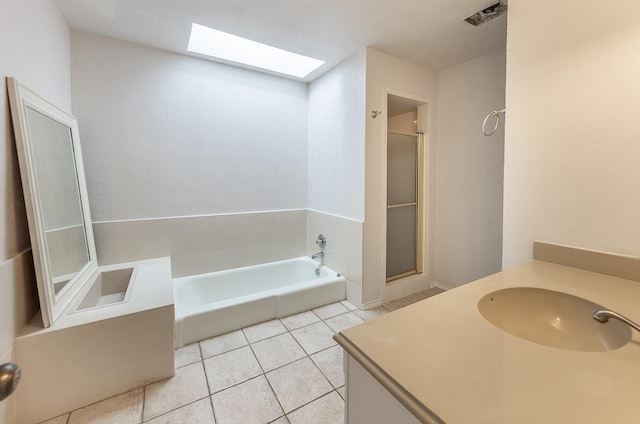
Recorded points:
(419,205)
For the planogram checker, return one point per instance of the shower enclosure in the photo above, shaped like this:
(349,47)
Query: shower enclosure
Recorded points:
(404,206)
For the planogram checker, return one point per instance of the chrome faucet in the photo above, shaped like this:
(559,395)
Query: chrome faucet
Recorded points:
(603,315)
(321,242)
(316,256)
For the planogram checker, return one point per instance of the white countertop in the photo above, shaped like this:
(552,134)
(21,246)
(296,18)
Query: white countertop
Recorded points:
(152,287)
(446,356)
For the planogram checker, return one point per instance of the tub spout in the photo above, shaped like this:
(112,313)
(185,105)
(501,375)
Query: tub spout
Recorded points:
(318,255)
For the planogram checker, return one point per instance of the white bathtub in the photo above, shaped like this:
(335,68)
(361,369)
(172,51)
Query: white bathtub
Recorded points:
(211,304)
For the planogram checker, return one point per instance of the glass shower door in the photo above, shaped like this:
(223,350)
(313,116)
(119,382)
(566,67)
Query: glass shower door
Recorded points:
(403,224)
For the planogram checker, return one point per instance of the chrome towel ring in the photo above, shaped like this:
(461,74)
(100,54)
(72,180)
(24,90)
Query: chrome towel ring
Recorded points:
(495,113)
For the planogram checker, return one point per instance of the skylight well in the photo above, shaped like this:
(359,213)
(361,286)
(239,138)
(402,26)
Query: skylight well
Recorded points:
(222,45)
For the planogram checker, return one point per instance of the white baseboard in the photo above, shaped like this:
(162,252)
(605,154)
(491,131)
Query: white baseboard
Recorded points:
(371,304)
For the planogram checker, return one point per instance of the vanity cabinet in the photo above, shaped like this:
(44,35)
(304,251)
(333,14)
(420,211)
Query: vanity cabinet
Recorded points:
(368,401)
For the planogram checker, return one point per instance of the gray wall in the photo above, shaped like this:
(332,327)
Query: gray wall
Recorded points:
(469,176)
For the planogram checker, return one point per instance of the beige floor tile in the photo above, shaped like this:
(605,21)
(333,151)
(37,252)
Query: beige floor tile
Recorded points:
(199,412)
(397,304)
(277,351)
(188,385)
(349,305)
(223,343)
(281,420)
(264,330)
(187,355)
(125,408)
(331,363)
(344,321)
(250,402)
(293,322)
(372,313)
(230,368)
(330,310)
(59,420)
(408,300)
(328,409)
(298,383)
(341,391)
(315,337)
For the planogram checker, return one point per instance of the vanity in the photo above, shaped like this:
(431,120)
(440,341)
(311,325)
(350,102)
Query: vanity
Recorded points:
(443,360)
(101,330)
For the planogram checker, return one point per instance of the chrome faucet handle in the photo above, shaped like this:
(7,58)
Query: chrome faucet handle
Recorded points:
(321,241)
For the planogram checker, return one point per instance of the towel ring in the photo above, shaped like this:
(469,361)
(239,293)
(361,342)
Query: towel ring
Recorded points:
(495,113)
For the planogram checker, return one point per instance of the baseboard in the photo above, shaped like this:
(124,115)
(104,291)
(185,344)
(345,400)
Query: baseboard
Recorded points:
(371,304)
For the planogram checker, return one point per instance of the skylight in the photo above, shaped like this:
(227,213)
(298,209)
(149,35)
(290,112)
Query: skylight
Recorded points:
(211,42)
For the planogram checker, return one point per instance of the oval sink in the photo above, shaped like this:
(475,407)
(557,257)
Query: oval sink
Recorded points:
(552,319)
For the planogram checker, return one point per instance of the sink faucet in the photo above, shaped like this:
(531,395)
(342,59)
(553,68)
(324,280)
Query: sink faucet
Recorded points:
(603,315)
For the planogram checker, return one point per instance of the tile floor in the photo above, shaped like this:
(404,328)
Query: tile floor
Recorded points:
(287,370)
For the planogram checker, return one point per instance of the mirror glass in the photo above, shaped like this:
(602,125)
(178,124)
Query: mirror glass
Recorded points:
(53,181)
(59,193)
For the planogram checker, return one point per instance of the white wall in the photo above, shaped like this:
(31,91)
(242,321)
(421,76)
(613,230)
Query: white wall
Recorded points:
(403,123)
(34,46)
(336,140)
(469,176)
(572,136)
(169,135)
(336,169)
(207,243)
(388,74)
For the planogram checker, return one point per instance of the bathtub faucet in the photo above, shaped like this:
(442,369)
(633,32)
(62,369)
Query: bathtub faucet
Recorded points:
(319,255)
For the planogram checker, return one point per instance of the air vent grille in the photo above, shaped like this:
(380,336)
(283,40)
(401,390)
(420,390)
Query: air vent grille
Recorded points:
(487,14)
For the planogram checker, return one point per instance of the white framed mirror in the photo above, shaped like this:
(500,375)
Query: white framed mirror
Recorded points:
(55,192)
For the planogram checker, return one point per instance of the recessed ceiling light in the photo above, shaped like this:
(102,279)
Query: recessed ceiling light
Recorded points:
(211,42)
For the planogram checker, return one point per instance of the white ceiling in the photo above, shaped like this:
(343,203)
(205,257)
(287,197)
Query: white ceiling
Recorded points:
(431,33)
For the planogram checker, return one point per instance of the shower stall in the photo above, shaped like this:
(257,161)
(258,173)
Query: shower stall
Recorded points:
(405,176)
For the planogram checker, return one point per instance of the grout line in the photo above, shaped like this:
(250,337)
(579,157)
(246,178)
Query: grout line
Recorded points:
(144,399)
(175,409)
(213,410)
(204,369)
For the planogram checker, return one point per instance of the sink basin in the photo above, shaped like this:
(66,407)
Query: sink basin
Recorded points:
(552,319)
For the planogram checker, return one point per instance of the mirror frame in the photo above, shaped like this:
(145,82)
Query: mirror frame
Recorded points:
(21,98)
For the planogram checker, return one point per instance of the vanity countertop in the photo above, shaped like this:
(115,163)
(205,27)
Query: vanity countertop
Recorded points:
(441,355)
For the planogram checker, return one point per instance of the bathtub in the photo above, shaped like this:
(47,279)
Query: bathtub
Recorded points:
(211,304)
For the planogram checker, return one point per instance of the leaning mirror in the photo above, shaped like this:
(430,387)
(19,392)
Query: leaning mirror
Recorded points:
(56,199)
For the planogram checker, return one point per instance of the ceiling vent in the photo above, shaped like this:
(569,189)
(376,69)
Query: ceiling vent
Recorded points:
(488,13)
